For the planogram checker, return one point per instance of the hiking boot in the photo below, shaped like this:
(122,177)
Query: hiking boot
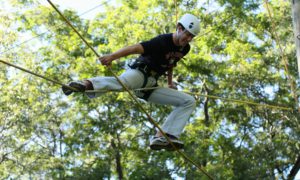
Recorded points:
(158,143)
(79,85)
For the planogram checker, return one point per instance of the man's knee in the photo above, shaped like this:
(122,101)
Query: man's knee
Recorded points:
(190,101)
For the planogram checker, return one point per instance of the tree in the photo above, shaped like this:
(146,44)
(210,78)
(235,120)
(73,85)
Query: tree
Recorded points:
(47,135)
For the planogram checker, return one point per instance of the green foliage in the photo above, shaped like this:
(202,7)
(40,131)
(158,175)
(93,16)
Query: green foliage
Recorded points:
(45,135)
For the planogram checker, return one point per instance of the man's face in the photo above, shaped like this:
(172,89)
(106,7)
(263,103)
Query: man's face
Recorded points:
(184,37)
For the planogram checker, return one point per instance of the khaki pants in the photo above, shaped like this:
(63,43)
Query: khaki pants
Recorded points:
(183,104)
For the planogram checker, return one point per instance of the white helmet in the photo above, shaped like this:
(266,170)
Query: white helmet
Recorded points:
(191,23)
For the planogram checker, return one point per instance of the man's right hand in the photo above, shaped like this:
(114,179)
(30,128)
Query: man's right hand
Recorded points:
(106,60)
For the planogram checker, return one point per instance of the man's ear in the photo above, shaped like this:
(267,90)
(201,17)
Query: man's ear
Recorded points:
(179,28)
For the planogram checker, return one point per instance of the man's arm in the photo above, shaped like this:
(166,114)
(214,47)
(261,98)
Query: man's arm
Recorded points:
(134,49)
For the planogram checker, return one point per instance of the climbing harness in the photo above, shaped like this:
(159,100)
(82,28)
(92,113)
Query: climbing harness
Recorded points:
(150,79)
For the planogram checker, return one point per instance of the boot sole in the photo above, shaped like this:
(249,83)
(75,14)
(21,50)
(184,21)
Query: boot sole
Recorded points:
(79,87)
(168,147)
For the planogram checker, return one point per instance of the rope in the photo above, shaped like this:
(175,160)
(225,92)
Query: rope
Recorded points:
(224,21)
(89,10)
(209,96)
(284,58)
(26,41)
(131,95)
(176,11)
(43,77)
(188,92)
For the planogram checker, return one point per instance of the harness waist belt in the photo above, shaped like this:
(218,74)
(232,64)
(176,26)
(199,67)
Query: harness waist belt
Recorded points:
(144,68)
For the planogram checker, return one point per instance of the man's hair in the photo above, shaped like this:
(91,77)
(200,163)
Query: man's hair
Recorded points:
(182,27)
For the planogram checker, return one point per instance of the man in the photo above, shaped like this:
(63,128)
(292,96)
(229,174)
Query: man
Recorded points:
(157,56)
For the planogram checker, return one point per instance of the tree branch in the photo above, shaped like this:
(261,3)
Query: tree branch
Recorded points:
(295,169)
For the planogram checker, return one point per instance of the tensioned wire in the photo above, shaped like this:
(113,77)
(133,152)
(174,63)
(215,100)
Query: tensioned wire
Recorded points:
(152,88)
(283,55)
(89,10)
(38,75)
(26,41)
(208,96)
(132,96)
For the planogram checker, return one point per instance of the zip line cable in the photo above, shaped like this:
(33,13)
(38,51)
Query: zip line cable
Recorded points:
(176,11)
(131,95)
(209,96)
(227,19)
(188,92)
(43,77)
(89,10)
(26,41)
(283,55)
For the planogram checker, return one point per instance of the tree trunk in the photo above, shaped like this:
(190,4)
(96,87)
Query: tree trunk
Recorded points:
(206,121)
(118,159)
(295,169)
(296,22)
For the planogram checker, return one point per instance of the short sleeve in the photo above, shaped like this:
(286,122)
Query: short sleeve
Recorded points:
(155,45)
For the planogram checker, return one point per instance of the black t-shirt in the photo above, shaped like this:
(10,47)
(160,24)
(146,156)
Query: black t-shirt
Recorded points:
(161,54)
